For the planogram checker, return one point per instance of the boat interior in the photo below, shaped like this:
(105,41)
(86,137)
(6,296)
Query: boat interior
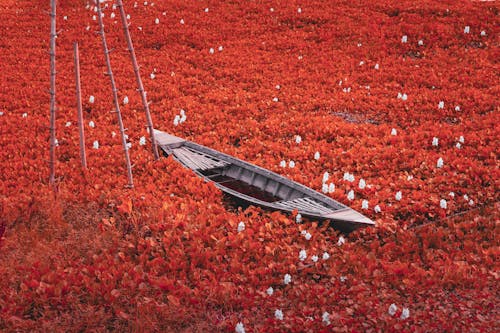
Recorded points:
(250,182)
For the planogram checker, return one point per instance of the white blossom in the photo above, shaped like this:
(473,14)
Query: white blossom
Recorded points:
(392,309)
(91,124)
(466,197)
(298,218)
(302,255)
(404,39)
(206,10)
(326,175)
(443,204)
(441,105)
(377,66)
(326,318)
(377,209)
(343,278)
(56,143)
(212,51)
(241,226)
(457,108)
(341,241)
(483,33)
(271,9)
(177,119)
(220,48)
(128,16)
(364,204)
(466,29)
(298,139)
(299,10)
(91,99)
(291,164)
(96,144)
(275,99)
(270,291)
(324,188)
(420,43)
(283,164)
(182,21)
(325,256)
(440,163)
(239,328)
(404,97)
(362,184)
(278,314)
(405,314)
(142,141)
(128,145)
(399,195)
(68,124)
(458,145)
(157,21)
(461,139)
(331,188)
(350,195)
(307,236)
(183,118)
(451,194)
(348,177)
(112,15)
(113,134)
(287,279)
(435,141)
(278,87)
(314,258)
(410,177)
(394,132)
(316,155)
(471,202)
(152,76)
(125,100)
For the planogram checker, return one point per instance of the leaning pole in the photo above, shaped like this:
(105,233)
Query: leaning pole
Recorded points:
(52,125)
(115,95)
(140,86)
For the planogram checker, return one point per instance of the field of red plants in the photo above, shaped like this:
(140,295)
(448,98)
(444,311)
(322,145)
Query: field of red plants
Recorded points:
(398,99)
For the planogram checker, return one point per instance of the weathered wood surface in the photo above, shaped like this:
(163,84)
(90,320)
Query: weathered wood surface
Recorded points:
(224,170)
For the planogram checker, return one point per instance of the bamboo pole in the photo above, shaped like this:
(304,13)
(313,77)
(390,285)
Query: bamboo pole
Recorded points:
(140,86)
(115,95)
(52,126)
(79,105)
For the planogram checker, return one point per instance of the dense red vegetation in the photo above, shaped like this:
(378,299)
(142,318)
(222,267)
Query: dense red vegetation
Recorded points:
(167,255)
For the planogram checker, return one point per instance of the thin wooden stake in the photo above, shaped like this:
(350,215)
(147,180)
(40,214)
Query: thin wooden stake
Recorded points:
(79,105)
(52,126)
(115,95)
(140,86)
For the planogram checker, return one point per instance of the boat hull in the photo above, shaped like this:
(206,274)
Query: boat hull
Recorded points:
(259,186)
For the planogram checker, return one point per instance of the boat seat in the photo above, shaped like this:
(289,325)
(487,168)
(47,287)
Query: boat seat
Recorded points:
(307,204)
(197,160)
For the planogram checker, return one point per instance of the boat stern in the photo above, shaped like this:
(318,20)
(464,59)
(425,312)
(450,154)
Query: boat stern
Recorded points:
(350,216)
(166,140)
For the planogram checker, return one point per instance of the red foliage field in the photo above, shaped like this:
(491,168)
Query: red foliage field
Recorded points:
(386,91)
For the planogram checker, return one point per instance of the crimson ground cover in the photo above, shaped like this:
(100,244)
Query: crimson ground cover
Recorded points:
(251,77)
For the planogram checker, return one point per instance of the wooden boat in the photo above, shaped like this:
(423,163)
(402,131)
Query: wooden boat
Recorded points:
(257,185)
